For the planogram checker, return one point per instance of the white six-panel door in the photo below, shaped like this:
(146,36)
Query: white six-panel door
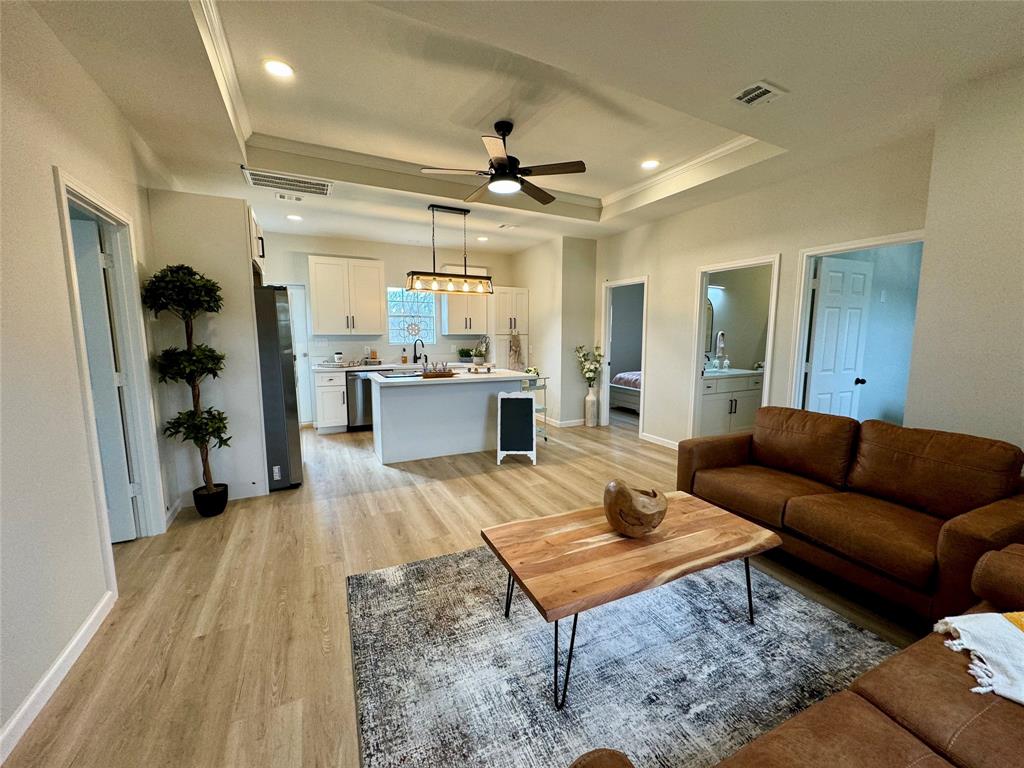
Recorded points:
(838,336)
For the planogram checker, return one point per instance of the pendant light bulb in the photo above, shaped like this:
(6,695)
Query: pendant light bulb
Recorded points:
(433,284)
(465,285)
(418,285)
(450,286)
(479,287)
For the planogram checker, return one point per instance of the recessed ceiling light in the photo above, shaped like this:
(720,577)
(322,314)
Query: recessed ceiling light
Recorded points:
(482,239)
(650,165)
(278,68)
(293,217)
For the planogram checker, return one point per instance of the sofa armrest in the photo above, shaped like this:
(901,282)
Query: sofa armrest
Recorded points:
(999,578)
(963,540)
(602,758)
(708,453)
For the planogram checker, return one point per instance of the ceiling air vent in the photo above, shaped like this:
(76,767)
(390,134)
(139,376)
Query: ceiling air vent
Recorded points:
(307,185)
(759,93)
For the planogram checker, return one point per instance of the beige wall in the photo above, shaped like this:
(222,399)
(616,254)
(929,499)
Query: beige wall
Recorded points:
(539,270)
(579,272)
(967,370)
(52,573)
(876,194)
(287,263)
(211,234)
(560,277)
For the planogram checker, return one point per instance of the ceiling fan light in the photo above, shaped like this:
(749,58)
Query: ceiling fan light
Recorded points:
(504,185)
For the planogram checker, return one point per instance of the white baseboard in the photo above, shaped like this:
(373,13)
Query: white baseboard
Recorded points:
(673,444)
(15,727)
(172,513)
(567,423)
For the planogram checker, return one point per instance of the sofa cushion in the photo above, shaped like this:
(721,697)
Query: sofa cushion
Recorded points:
(814,445)
(941,473)
(756,492)
(999,578)
(843,731)
(926,688)
(895,540)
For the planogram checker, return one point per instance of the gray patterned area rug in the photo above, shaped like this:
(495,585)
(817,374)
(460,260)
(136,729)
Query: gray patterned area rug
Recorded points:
(674,677)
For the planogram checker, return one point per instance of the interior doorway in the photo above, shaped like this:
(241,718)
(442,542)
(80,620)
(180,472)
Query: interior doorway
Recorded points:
(113,358)
(857,329)
(735,327)
(624,346)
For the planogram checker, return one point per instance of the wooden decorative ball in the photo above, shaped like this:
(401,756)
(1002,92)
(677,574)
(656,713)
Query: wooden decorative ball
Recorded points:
(633,512)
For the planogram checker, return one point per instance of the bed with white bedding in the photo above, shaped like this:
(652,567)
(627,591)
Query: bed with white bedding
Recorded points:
(624,390)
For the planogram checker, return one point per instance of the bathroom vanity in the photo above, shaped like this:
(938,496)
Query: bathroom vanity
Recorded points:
(729,400)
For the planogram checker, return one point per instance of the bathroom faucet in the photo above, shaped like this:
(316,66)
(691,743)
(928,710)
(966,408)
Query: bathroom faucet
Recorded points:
(416,355)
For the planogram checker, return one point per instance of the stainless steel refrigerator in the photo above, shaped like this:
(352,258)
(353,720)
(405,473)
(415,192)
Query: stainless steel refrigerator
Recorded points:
(280,400)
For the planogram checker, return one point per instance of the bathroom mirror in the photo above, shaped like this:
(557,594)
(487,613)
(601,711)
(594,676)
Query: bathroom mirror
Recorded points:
(709,324)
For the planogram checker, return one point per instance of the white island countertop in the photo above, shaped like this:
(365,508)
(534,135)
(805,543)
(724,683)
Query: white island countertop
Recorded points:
(460,377)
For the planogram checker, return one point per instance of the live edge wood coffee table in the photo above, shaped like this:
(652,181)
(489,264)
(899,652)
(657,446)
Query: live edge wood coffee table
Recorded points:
(571,562)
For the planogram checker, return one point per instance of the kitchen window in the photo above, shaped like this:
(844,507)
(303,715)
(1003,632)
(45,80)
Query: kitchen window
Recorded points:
(411,315)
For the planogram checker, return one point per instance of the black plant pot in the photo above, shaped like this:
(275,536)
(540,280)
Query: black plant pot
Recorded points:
(211,504)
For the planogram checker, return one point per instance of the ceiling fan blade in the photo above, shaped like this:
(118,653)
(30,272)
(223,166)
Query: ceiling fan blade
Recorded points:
(495,149)
(477,194)
(536,193)
(552,169)
(453,171)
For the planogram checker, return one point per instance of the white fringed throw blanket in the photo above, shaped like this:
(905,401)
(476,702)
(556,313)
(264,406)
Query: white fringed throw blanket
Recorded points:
(996,643)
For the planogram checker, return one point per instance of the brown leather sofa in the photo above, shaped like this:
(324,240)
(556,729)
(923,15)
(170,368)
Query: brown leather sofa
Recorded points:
(914,710)
(904,513)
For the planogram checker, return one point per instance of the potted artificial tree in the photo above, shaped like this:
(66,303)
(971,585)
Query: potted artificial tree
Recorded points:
(186,294)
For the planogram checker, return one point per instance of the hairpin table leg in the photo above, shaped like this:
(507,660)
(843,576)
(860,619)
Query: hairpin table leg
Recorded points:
(560,702)
(750,594)
(509,588)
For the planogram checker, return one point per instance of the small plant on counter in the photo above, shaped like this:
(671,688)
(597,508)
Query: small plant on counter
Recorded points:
(465,355)
(589,364)
(187,294)
(533,370)
(480,351)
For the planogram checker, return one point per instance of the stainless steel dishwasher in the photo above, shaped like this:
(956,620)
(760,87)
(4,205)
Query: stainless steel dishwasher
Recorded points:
(359,390)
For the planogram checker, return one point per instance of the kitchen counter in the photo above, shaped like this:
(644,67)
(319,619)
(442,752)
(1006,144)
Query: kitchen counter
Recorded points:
(460,377)
(416,418)
(389,366)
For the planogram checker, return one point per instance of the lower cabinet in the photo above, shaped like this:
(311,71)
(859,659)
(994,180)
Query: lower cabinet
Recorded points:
(729,405)
(331,403)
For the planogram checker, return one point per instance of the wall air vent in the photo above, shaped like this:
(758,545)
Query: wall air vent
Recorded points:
(290,182)
(759,93)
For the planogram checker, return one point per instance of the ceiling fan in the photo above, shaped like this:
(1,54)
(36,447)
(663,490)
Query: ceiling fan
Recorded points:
(504,174)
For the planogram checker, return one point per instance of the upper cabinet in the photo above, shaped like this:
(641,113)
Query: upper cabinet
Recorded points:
(512,310)
(346,296)
(463,315)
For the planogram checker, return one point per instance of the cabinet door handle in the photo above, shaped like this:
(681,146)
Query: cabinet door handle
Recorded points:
(346,321)
(344,400)
(471,323)
(515,323)
(510,323)
(353,322)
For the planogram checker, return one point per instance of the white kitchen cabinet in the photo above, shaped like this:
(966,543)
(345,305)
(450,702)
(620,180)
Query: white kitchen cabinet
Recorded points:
(346,296)
(512,312)
(729,404)
(501,345)
(331,403)
(463,315)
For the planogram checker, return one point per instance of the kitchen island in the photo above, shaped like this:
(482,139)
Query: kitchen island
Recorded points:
(417,418)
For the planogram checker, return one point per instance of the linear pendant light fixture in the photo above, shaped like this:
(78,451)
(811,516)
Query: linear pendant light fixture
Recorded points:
(444,282)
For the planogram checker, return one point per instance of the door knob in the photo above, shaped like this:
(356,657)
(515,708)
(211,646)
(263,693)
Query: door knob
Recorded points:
(859,380)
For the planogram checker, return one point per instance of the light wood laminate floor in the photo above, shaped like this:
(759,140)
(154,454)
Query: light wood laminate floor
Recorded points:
(229,645)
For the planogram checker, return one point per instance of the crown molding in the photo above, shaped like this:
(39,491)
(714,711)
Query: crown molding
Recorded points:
(733,145)
(223,65)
